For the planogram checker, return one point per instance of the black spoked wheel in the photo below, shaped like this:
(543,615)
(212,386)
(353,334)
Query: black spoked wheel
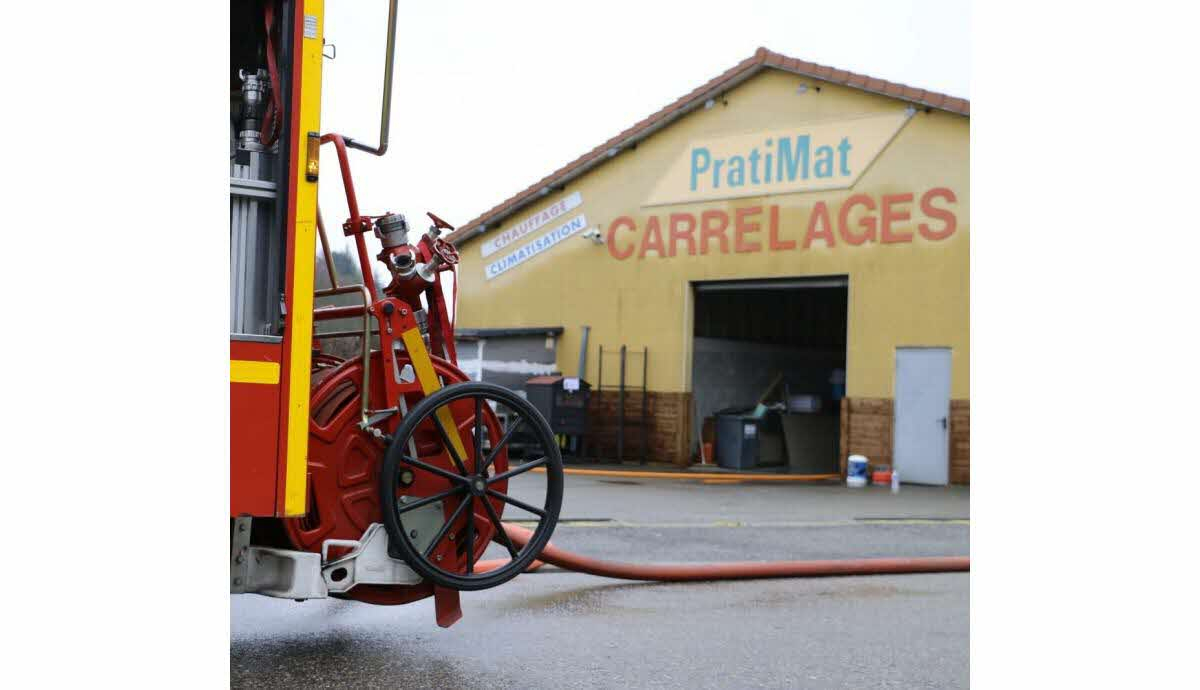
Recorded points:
(446,482)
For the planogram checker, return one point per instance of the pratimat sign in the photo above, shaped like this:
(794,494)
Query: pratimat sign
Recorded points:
(861,219)
(802,158)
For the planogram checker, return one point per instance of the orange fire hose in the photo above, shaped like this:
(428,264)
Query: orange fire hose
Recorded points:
(728,571)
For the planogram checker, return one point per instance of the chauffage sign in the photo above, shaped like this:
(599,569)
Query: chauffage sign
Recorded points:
(803,158)
(860,219)
(526,226)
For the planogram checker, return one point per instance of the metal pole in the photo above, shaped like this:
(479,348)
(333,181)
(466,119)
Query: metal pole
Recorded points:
(645,417)
(599,389)
(385,117)
(582,368)
(621,411)
(325,249)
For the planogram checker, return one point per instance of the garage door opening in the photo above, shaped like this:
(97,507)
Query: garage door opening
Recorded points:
(783,338)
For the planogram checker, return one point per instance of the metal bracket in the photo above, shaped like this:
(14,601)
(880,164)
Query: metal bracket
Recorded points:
(273,572)
(367,564)
(303,575)
(285,574)
(239,557)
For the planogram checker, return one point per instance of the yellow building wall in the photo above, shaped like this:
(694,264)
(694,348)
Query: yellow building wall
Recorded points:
(901,294)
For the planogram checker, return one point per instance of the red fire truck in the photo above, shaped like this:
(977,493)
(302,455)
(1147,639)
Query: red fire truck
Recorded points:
(383,476)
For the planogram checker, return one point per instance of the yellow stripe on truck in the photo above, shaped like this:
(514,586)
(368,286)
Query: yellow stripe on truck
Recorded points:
(248,371)
(303,249)
(423,365)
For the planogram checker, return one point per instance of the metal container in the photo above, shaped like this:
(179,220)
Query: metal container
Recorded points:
(562,400)
(737,441)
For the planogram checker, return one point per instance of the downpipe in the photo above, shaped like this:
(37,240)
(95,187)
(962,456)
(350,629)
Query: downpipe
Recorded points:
(745,570)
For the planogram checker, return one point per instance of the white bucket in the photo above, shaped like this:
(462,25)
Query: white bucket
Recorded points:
(856,471)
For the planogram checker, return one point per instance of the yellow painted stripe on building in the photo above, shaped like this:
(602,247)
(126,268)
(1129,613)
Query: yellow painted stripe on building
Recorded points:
(689,475)
(423,365)
(303,248)
(250,371)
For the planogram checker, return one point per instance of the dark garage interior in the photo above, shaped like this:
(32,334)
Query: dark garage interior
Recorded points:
(781,343)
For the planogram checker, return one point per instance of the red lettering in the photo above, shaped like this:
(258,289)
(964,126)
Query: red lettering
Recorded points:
(945,215)
(714,224)
(820,215)
(652,239)
(867,222)
(741,227)
(687,234)
(623,221)
(776,243)
(889,215)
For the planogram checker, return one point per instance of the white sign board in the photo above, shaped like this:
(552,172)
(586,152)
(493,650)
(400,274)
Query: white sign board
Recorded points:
(571,383)
(537,246)
(532,223)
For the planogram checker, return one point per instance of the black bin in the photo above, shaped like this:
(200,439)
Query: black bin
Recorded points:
(566,410)
(737,441)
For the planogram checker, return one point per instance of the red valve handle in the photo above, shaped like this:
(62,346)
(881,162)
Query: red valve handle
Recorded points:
(445,251)
(438,222)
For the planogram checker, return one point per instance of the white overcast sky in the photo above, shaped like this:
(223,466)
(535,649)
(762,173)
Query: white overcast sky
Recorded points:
(492,96)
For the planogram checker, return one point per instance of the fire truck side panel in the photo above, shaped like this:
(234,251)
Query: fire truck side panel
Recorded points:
(254,371)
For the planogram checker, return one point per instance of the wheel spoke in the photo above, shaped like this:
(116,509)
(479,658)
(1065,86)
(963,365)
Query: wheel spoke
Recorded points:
(433,469)
(520,504)
(470,540)
(429,499)
(503,440)
(524,467)
(512,548)
(441,534)
(478,432)
(449,446)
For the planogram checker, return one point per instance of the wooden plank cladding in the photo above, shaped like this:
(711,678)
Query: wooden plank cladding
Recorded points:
(960,441)
(867,430)
(667,433)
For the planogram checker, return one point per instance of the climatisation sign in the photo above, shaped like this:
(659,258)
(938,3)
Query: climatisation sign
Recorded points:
(803,158)
(537,246)
(527,226)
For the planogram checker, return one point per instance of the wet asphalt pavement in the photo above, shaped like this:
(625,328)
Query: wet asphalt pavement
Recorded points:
(555,629)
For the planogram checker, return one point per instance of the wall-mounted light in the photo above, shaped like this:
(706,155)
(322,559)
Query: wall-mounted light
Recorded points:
(802,89)
(709,104)
(594,235)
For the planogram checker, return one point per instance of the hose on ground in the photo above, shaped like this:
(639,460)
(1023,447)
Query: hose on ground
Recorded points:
(728,571)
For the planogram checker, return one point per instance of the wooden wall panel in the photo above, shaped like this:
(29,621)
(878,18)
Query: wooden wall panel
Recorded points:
(668,426)
(960,441)
(867,430)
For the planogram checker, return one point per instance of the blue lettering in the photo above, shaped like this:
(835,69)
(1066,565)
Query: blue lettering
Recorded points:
(789,160)
(696,166)
(824,163)
(737,171)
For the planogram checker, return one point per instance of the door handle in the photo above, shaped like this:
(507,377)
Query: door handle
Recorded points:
(943,421)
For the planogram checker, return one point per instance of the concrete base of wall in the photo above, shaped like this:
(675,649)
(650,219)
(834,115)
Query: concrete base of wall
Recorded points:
(867,430)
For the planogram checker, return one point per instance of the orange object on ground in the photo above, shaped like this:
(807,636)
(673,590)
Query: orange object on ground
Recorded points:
(883,477)
(741,476)
(739,571)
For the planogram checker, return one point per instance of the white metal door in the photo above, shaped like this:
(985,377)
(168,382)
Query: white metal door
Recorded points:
(922,425)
